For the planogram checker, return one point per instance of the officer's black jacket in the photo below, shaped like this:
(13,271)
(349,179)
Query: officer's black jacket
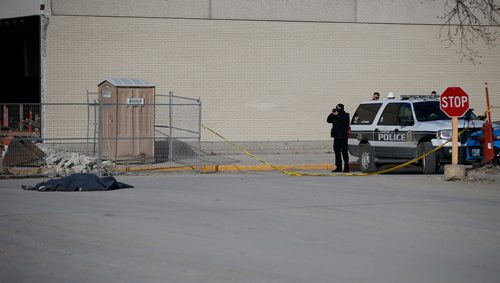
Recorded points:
(340,125)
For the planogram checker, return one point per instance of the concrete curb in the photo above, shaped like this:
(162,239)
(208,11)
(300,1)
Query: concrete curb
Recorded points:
(231,168)
(27,172)
(224,168)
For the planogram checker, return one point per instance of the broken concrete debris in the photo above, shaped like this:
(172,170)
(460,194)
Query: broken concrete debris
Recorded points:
(60,162)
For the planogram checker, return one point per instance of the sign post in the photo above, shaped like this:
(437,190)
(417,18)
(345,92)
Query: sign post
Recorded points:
(488,151)
(454,140)
(455,103)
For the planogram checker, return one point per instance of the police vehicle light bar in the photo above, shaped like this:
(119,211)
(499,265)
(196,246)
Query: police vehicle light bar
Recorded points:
(418,96)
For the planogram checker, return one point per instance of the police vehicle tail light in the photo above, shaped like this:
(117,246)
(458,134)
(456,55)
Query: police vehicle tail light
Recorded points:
(444,134)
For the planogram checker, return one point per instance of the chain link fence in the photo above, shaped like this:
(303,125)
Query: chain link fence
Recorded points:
(57,139)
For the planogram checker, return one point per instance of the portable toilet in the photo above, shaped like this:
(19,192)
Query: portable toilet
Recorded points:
(127,119)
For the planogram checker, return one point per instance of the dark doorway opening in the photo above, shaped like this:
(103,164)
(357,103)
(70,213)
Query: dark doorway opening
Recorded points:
(20,68)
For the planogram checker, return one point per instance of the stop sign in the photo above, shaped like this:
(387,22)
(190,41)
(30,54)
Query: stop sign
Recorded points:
(454,102)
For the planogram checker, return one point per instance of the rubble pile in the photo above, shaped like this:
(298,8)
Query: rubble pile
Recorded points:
(59,162)
(487,173)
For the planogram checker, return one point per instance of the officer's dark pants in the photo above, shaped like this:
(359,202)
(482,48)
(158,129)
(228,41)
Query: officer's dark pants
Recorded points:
(340,149)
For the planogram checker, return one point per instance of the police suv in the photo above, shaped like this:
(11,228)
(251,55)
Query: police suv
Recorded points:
(396,131)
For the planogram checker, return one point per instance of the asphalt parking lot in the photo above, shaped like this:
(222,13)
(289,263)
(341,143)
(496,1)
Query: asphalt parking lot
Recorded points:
(254,227)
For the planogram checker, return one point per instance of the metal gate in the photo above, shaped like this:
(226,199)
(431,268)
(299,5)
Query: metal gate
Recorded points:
(57,139)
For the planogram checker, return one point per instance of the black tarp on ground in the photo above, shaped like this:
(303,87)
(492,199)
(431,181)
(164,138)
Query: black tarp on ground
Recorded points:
(79,182)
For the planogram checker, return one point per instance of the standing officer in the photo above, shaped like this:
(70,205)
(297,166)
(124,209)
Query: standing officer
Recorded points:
(340,133)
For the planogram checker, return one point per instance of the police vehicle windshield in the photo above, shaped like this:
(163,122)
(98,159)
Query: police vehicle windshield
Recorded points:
(430,111)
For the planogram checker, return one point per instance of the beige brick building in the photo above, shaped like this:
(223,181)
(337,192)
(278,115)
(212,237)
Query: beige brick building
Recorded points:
(268,71)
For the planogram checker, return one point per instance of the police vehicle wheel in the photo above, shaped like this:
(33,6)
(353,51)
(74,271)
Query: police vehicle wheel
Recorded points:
(366,158)
(429,163)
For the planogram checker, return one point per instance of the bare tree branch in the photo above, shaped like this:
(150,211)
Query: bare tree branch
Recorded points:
(467,22)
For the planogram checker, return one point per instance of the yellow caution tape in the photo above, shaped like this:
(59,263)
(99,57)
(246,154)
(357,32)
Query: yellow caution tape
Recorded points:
(333,174)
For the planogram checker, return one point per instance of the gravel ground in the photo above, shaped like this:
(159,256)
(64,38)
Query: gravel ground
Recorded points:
(487,173)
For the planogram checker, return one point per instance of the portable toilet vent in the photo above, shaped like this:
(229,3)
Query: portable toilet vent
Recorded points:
(127,119)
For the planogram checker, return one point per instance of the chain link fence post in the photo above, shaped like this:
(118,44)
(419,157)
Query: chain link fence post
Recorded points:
(170,125)
(199,135)
(100,139)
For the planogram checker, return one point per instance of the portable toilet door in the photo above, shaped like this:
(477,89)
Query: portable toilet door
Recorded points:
(128,119)
(108,98)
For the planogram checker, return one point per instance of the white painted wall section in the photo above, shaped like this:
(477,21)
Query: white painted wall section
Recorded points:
(400,11)
(134,8)
(19,8)
(292,10)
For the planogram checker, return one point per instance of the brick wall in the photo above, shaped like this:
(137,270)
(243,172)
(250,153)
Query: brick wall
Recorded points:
(260,80)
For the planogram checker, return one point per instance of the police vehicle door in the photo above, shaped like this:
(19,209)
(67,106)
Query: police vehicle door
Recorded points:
(390,134)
